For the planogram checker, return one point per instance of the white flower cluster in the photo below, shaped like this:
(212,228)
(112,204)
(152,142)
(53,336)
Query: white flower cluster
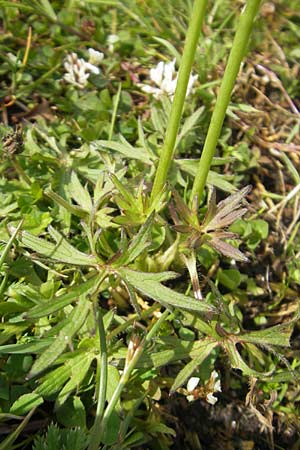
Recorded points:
(78,70)
(214,386)
(165,77)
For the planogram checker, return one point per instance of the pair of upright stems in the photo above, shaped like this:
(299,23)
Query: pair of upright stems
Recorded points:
(237,52)
(235,58)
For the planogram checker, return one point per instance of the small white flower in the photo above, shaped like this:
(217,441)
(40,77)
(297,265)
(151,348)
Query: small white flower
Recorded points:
(112,39)
(78,70)
(95,57)
(214,375)
(165,77)
(217,383)
(92,68)
(207,391)
(218,386)
(211,399)
(190,85)
(192,383)
(215,386)
(212,385)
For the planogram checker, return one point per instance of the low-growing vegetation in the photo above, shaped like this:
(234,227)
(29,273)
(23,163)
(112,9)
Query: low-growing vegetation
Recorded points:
(149,233)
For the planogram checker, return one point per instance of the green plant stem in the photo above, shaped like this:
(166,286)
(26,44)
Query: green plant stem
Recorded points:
(95,437)
(10,243)
(180,94)
(115,110)
(145,314)
(18,168)
(128,370)
(233,65)
(7,444)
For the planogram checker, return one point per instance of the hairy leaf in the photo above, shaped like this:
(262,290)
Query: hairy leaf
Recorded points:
(57,303)
(53,381)
(207,345)
(75,322)
(237,361)
(278,335)
(125,149)
(137,245)
(148,285)
(61,251)
(79,367)
(35,346)
(25,403)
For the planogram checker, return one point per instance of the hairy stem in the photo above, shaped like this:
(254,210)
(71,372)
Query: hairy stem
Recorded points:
(127,372)
(180,93)
(95,437)
(233,65)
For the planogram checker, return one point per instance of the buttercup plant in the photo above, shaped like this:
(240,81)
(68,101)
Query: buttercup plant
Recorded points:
(106,231)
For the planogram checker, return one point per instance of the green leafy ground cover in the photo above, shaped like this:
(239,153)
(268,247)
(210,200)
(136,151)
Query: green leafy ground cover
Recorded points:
(111,302)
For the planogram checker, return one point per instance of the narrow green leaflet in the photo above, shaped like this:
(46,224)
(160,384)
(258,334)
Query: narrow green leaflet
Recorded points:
(72,209)
(207,345)
(148,284)
(189,124)
(173,51)
(161,428)
(133,298)
(79,367)
(137,245)
(25,403)
(284,376)
(214,178)
(108,319)
(5,210)
(61,251)
(75,322)
(237,361)
(53,381)
(57,303)
(181,350)
(150,276)
(191,320)
(128,197)
(79,193)
(278,335)
(36,346)
(125,149)
(8,330)
(9,244)
(48,9)
(81,258)
(113,378)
